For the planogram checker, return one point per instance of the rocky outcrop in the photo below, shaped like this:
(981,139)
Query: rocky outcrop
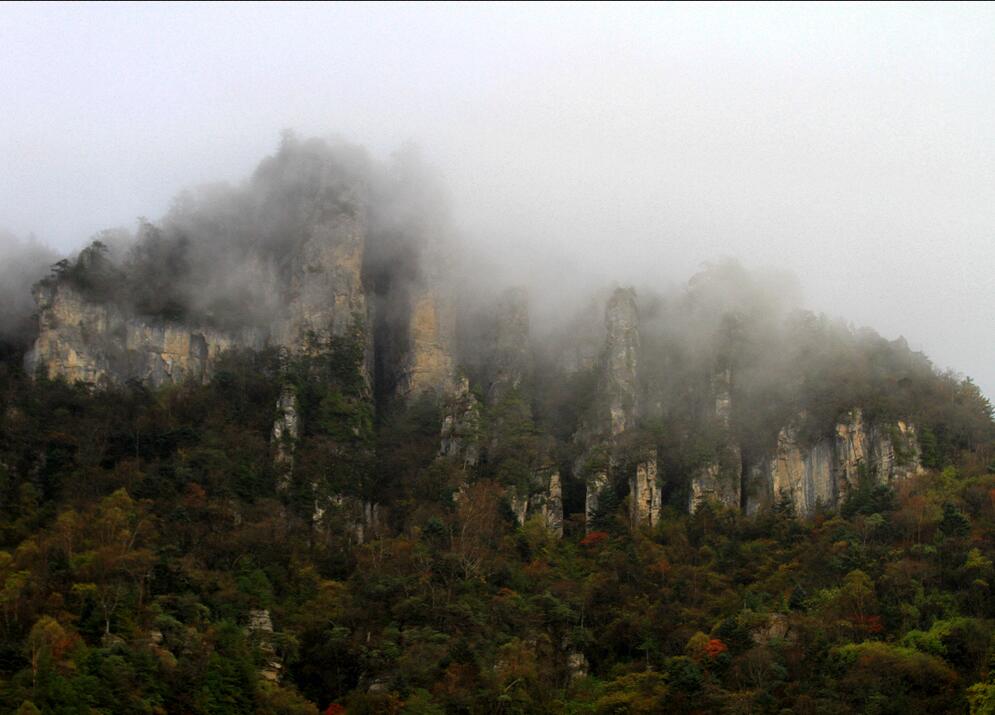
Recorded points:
(460,437)
(109,341)
(776,629)
(544,499)
(801,475)
(577,666)
(823,472)
(619,383)
(645,495)
(718,482)
(101,343)
(260,632)
(721,479)
(880,452)
(429,362)
(359,520)
(597,484)
(853,449)
(324,292)
(615,406)
(68,330)
(552,507)
(286,431)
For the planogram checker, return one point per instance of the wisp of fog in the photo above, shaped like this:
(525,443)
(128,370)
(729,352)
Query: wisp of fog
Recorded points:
(846,152)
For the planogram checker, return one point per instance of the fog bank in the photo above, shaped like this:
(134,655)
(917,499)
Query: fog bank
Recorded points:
(851,145)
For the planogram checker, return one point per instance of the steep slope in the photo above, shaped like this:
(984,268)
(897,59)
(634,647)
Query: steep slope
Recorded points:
(724,394)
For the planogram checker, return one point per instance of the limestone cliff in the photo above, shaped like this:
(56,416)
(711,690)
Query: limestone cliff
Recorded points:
(262,637)
(428,364)
(882,452)
(286,431)
(645,495)
(324,292)
(101,343)
(508,378)
(615,407)
(619,386)
(822,473)
(544,499)
(460,435)
(306,239)
(802,475)
(721,479)
(81,339)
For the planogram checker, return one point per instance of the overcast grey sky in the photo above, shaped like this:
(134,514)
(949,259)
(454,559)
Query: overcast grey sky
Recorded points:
(851,144)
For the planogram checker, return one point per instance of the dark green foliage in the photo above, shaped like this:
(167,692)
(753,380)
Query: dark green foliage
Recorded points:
(335,409)
(954,523)
(869,497)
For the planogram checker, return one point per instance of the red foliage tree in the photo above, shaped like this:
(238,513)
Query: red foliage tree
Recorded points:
(715,647)
(594,538)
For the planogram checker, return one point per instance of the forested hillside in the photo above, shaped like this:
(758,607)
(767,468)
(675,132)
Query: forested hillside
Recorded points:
(144,536)
(290,450)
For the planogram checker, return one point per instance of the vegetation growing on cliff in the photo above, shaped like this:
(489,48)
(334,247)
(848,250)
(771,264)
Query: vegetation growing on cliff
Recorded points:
(141,528)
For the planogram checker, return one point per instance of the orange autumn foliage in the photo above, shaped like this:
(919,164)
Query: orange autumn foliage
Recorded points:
(594,538)
(715,647)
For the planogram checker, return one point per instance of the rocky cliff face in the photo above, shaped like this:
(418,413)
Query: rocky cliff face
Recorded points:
(262,637)
(619,386)
(882,452)
(803,475)
(460,438)
(645,495)
(286,431)
(545,500)
(810,475)
(508,372)
(332,260)
(104,342)
(719,482)
(615,408)
(319,238)
(80,339)
(325,292)
(721,479)
(101,343)
(428,364)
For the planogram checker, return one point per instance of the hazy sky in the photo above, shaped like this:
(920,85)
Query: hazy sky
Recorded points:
(851,144)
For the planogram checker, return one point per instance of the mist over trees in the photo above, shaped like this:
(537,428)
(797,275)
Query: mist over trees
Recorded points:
(220,256)
(595,365)
(146,534)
